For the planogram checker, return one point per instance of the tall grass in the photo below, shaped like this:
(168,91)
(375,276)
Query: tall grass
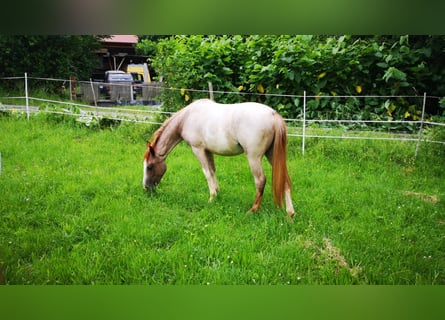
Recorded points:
(73,211)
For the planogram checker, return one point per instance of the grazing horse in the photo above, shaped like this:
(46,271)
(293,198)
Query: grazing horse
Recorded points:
(225,129)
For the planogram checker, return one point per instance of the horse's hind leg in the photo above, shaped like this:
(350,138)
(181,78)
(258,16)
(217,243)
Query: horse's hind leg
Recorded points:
(260,180)
(208,168)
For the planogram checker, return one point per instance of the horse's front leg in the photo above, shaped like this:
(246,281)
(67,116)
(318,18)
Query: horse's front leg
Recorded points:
(208,168)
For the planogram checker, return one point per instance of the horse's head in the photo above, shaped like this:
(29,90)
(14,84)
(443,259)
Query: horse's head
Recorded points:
(154,168)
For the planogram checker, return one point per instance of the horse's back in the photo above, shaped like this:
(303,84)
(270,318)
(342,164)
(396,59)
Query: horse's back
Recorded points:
(218,112)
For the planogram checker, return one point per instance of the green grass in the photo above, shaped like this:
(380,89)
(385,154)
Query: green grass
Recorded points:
(73,211)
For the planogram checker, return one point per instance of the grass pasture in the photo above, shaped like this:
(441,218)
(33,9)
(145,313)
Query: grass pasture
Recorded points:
(73,211)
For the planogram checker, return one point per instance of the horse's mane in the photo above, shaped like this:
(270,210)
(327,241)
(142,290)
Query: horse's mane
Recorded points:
(160,131)
(155,137)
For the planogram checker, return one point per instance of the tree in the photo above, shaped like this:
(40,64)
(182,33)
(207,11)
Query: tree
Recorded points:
(54,56)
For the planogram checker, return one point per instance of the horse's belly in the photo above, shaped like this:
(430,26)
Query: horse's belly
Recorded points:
(229,151)
(223,146)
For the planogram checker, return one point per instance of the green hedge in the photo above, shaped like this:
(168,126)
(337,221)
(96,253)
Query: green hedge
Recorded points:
(321,65)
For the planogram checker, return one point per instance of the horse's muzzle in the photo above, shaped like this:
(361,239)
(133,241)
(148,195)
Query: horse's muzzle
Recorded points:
(150,187)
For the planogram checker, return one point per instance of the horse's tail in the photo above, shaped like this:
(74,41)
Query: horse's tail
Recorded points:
(280,175)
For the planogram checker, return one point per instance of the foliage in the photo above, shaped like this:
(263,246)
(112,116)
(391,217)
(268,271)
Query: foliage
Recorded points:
(321,65)
(73,211)
(147,45)
(50,56)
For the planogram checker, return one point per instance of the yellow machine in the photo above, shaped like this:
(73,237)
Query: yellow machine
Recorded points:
(139,72)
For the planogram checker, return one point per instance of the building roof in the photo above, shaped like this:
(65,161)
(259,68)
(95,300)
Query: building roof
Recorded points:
(121,39)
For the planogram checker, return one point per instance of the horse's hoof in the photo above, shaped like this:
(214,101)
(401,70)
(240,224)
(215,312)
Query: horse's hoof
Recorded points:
(252,210)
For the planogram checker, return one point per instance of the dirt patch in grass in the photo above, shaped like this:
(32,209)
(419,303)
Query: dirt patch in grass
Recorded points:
(331,254)
(422,196)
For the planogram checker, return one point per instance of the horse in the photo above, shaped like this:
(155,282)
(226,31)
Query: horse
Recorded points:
(225,129)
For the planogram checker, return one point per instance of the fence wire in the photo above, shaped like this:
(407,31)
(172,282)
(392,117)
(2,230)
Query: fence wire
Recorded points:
(149,115)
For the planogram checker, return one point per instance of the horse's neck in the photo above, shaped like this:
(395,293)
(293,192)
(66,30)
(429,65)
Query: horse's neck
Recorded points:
(169,136)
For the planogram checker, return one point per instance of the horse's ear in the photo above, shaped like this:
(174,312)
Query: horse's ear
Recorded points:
(151,150)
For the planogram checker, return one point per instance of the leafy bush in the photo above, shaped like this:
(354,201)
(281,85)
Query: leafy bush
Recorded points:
(319,65)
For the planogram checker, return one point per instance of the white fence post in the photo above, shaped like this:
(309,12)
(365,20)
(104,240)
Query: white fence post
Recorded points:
(26,96)
(304,122)
(211,91)
(421,125)
(94,96)
(131,94)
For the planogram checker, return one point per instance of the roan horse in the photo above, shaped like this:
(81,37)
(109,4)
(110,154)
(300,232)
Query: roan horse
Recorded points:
(225,129)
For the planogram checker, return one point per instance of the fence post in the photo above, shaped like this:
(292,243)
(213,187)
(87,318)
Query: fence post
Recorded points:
(94,95)
(26,96)
(421,125)
(211,91)
(131,93)
(72,88)
(304,122)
